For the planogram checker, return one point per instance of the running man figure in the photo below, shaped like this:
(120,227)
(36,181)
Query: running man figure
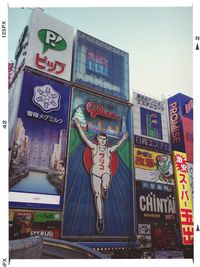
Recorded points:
(100,170)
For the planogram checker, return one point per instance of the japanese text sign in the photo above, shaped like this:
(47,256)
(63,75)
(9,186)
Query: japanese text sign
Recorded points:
(153,167)
(50,45)
(184,197)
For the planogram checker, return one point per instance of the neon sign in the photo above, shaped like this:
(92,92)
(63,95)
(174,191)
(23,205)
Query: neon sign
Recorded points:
(98,110)
(97,64)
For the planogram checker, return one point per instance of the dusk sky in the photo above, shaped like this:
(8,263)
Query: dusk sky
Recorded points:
(158,40)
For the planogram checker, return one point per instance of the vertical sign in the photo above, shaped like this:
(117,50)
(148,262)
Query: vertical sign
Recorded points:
(39,144)
(150,123)
(98,197)
(184,197)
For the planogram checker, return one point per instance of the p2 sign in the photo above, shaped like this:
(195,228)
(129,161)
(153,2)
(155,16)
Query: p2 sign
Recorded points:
(51,40)
(50,45)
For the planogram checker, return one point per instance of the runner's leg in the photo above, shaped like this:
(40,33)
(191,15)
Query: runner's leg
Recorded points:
(105,184)
(96,187)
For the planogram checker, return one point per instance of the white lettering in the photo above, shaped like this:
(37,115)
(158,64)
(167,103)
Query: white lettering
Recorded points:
(142,206)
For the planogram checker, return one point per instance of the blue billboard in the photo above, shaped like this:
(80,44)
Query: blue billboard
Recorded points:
(180,107)
(39,144)
(99,187)
(151,124)
(101,66)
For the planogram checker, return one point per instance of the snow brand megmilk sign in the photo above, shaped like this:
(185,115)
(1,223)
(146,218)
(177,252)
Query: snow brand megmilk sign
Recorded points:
(49,45)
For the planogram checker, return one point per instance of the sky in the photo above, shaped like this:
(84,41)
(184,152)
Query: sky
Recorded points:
(158,40)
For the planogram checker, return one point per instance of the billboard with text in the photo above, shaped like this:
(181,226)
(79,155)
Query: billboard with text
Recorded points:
(150,122)
(181,124)
(39,144)
(184,197)
(49,45)
(26,223)
(153,166)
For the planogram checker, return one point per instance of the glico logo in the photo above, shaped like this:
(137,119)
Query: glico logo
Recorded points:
(51,40)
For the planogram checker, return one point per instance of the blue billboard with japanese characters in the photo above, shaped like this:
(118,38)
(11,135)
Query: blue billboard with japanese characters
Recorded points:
(39,144)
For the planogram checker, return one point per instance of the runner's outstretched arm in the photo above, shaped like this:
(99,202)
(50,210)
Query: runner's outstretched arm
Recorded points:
(83,135)
(115,147)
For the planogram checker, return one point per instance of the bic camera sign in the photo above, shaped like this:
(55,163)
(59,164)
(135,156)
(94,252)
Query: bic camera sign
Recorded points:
(51,40)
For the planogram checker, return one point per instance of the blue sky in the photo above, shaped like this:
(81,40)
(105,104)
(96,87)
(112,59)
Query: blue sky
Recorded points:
(158,40)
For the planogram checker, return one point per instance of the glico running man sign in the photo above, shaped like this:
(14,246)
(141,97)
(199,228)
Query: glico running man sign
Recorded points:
(99,191)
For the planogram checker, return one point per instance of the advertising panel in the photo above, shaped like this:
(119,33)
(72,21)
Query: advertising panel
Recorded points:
(188,137)
(153,166)
(181,106)
(50,45)
(184,197)
(26,223)
(38,151)
(99,191)
(164,235)
(150,123)
(101,66)
(155,202)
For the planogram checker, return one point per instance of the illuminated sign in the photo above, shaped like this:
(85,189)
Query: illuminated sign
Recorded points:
(155,205)
(50,45)
(184,197)
(152,166)
(151,125)
(181,128)
(97,64)
(99,151)
(164,235)
(56,67)
(98,109)
(156,145)
(175,123)
(51,40)
(37,164)
(101,66)
(26,223)
(188,137)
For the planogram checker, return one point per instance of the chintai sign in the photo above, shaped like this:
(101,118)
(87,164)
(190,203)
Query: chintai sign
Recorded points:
(154,204)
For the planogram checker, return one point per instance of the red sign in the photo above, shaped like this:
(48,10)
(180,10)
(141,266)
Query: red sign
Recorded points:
(43,63)
(97,58)
(188,137)
(98,110)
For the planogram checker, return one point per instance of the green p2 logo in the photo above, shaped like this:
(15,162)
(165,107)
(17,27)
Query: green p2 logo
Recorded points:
(51,40)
